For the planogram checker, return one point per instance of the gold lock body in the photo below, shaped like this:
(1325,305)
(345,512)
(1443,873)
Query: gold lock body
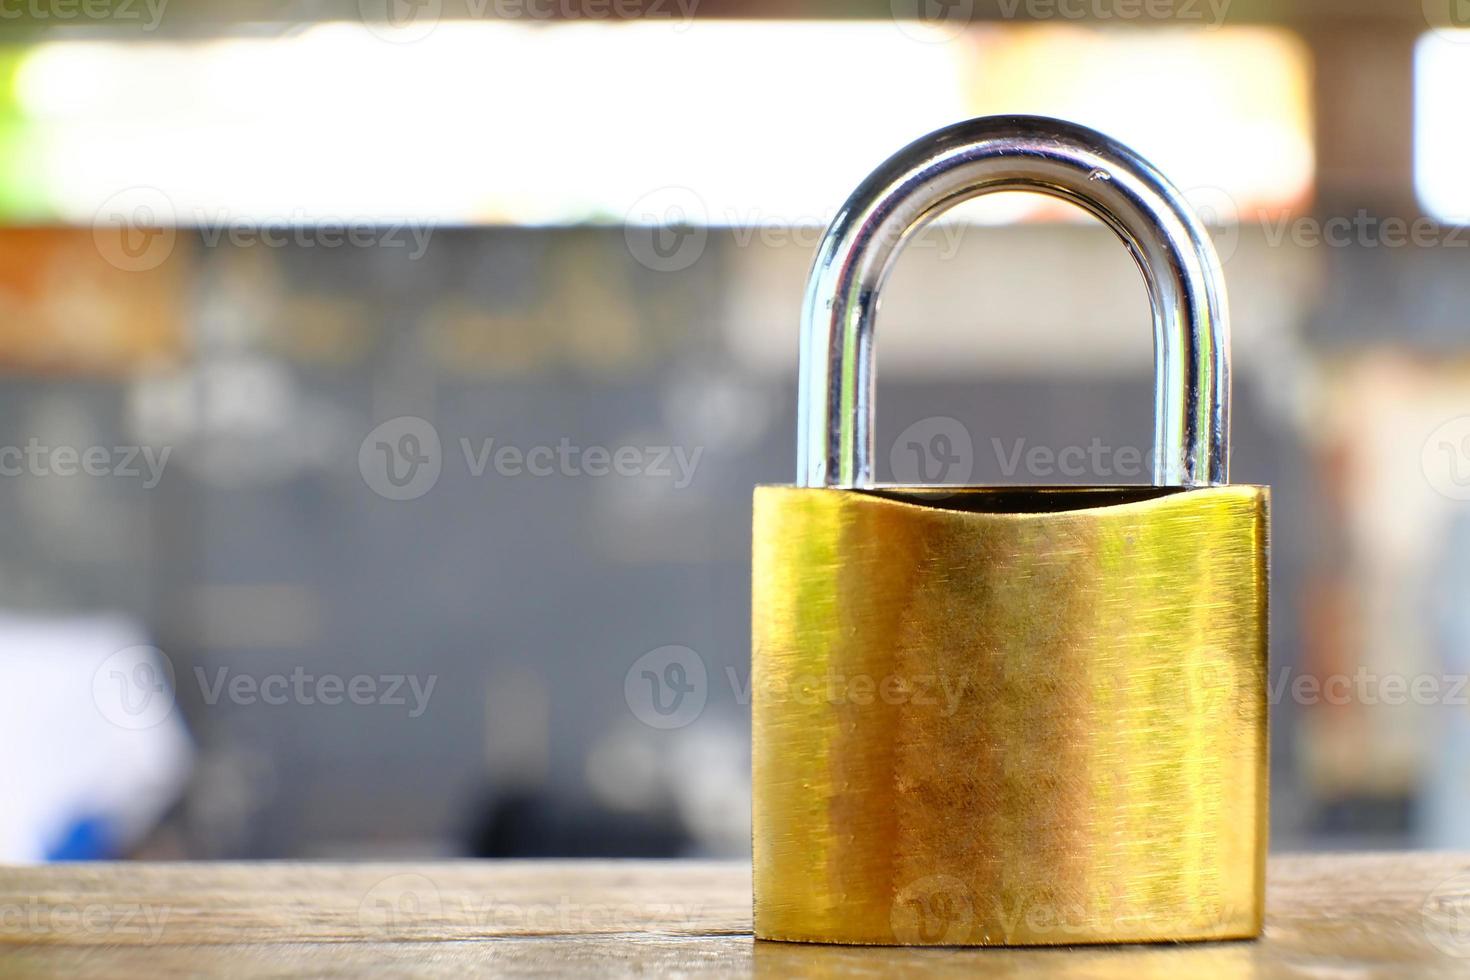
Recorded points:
(1009,716)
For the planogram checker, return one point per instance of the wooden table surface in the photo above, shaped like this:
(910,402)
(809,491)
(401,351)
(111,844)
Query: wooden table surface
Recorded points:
(1328,916)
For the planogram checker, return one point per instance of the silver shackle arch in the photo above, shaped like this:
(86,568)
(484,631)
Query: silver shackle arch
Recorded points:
(1015,153)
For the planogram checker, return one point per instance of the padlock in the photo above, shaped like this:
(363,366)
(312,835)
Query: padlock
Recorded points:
(1010,715)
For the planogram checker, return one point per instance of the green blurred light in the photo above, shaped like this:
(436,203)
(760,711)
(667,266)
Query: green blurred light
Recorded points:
(23,190)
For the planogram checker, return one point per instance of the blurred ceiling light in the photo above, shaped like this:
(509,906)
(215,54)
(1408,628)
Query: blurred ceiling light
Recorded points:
(755,123)
(1226,114)
(1441,136)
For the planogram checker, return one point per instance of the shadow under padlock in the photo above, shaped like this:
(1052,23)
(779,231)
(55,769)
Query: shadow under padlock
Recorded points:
(1049,720)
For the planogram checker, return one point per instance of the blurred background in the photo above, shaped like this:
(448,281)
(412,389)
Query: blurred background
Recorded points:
(385,384)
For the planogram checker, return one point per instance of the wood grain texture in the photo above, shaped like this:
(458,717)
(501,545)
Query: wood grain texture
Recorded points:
(1328,916)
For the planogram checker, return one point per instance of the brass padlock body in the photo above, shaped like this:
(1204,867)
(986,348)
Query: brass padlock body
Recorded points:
(1009,716)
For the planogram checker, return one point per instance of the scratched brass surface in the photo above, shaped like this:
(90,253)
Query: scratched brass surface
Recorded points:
(1009,717)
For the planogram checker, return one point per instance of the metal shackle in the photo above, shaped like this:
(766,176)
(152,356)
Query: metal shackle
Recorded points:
(1015,153)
